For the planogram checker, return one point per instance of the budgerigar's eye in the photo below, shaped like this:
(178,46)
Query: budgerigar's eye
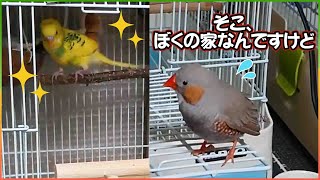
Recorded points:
(185,83)
(56,32)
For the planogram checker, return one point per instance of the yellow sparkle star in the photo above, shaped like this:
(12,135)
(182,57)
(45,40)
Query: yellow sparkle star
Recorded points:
(39,92)
(121,24)
(22,75)
(135,39)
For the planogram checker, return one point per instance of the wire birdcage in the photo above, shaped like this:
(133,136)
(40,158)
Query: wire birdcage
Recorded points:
(171,141)
(74,123)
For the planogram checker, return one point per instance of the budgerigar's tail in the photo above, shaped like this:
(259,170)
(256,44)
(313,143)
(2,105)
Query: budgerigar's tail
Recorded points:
(106,60)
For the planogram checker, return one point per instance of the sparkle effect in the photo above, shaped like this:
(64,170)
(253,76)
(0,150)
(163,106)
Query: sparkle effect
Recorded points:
(39,92)
(121,24)
(22,75)
(135,39)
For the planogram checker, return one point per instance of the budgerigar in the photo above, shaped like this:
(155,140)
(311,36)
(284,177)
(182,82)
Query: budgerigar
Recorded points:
(68,47)
(213,109)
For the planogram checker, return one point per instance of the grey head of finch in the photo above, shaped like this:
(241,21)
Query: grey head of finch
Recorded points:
(191,78)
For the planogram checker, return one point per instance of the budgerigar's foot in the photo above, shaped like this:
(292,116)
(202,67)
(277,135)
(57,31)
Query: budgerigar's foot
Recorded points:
(56,74)
(203,149)
(81,73)
(230,154)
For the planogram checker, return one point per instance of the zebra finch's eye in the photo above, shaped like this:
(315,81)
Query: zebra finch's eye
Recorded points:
(185,83)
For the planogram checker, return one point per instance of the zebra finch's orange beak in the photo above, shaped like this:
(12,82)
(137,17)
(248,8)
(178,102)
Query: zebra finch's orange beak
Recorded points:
(171,82)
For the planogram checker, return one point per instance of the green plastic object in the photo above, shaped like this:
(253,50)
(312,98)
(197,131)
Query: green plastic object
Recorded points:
(289,63)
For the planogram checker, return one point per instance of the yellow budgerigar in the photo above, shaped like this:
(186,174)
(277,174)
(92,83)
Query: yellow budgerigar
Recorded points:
(68,47)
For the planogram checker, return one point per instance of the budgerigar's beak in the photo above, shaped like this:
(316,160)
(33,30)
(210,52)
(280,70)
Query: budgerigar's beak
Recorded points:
(171,82)
(50,40)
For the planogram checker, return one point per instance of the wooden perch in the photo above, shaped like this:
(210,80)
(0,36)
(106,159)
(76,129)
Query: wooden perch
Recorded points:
(168,7)
(96,77)
(106,169)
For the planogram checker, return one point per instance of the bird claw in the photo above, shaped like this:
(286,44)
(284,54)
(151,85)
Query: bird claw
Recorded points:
(80,73)
(56,74)
(229,156)
(203,150)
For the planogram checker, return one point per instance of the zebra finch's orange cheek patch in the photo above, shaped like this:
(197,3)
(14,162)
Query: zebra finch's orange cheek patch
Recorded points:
(193,94)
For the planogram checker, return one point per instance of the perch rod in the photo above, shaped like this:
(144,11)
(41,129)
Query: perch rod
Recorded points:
(95,77)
